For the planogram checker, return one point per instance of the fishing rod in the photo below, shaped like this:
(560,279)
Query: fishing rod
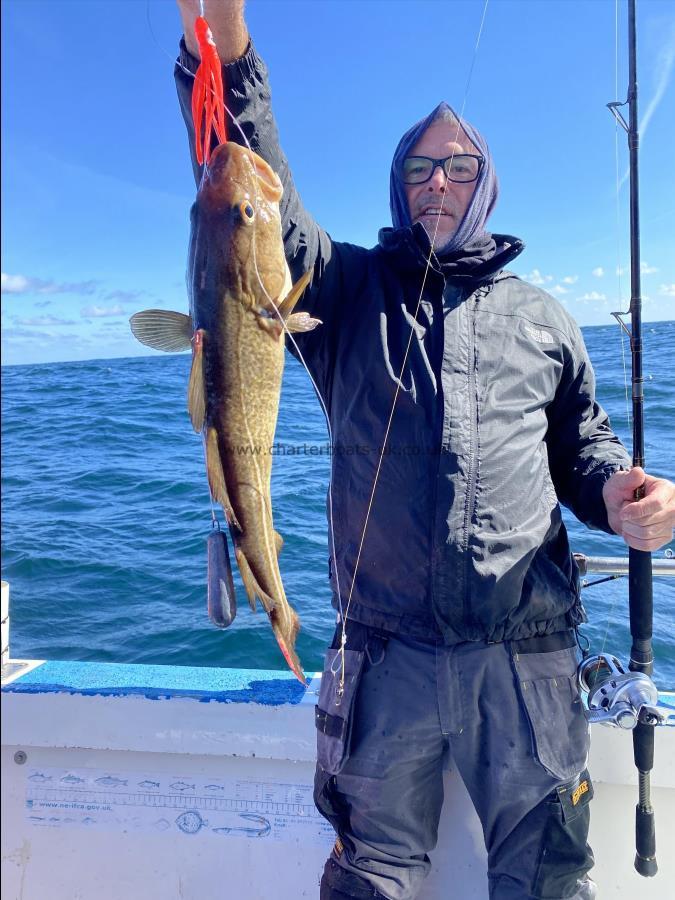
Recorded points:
(630,699)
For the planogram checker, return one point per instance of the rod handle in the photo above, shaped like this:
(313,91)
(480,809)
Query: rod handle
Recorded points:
(643,748)
(645,842)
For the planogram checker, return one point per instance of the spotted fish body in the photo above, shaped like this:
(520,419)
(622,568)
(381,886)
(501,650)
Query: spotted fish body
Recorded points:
(240,290)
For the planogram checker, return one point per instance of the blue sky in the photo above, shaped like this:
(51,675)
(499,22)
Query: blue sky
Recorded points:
(97,184)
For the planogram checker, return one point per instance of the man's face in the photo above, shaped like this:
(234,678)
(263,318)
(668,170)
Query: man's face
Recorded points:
(441,139)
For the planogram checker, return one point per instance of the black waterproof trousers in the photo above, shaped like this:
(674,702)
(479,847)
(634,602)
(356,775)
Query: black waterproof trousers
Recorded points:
(510,716)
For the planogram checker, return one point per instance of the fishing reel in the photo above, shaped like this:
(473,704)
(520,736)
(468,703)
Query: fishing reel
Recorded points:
(620,698)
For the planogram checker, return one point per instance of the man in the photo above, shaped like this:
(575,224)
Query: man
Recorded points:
(456,592)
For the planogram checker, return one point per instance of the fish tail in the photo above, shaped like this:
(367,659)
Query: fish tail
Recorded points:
(287,643)
(284,620)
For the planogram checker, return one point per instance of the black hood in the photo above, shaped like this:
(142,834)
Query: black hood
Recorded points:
(479,260)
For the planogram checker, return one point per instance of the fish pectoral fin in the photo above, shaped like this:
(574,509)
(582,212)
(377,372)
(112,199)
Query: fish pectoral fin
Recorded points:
(253,589)
(302,322)
(197,384)
(216,477)
(162,329)
(288,303)
(278,542)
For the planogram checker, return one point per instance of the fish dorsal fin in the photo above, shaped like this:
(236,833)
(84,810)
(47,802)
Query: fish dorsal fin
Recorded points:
(162,329)
(196,385)
(292,297)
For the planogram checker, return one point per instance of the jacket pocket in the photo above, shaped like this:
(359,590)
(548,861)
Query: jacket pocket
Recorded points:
(550,696)
(334,712)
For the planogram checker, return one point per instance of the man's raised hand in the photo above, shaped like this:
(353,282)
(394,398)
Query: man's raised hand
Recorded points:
(226,21)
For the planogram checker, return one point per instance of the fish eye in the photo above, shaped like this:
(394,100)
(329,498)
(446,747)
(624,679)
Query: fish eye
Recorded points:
(246,210)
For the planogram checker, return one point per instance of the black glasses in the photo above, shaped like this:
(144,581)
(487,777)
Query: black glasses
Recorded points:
(461,168)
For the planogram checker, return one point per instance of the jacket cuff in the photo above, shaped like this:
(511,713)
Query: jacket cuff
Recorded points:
(594,505)
(235,73)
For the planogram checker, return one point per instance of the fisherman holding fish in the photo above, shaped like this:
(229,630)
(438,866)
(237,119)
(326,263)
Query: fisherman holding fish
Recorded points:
(457,595)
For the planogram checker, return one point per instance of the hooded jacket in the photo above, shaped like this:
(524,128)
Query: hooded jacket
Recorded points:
(495,420)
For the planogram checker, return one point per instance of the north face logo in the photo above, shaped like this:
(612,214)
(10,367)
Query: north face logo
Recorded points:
(539,335)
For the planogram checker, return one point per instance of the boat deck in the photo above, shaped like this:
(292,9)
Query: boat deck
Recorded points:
(162,782)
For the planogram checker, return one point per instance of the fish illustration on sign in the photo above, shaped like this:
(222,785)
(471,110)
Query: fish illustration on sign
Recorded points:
(110,781)
(182,786)
(261,828)
(72,779)
(191,822)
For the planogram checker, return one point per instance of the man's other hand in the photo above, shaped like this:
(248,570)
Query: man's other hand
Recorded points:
(645,524)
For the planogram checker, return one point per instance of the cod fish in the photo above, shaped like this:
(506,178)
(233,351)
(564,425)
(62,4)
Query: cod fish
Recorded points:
(240,288)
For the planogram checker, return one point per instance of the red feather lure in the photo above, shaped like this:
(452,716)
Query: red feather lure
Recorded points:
(208,103)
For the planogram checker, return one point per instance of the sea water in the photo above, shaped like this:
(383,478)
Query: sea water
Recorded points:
(106,513)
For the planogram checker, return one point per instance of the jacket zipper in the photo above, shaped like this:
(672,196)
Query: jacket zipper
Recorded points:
(440,418)
(470,502)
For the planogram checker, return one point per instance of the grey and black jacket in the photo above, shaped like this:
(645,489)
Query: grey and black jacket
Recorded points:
(495,420)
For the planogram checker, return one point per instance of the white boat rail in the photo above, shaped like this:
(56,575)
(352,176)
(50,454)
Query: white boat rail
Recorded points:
(618,565)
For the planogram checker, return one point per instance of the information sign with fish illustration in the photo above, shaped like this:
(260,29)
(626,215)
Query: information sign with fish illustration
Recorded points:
(159,802)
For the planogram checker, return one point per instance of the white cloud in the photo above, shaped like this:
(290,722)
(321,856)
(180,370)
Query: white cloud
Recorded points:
(558,289)
(593,295)
(99,312)
(42,321)
(668,290)
(663,67)
(598,272)
(124,296)
(621,270)
(24,284)
(570,279)
(83,288)
(13,284)
(535,277)
(646,269)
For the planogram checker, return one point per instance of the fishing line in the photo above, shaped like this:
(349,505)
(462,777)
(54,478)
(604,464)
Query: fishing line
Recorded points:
(399,381)
(214,518)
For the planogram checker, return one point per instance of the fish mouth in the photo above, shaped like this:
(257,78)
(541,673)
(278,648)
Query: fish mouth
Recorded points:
(232,164)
